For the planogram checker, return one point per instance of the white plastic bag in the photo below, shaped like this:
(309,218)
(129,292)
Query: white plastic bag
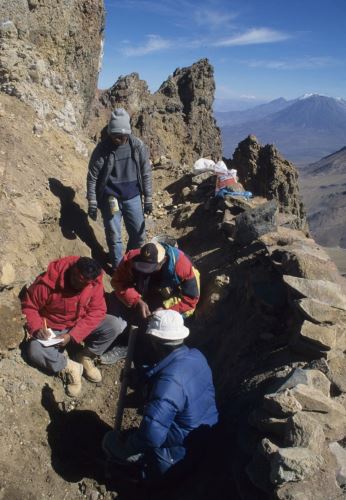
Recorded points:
(204,165)
(220,168)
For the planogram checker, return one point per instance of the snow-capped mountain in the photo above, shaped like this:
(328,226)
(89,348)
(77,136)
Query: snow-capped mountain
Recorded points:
(304,130)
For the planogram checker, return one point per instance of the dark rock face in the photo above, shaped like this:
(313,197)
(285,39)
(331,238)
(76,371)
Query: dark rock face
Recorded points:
(255,222)
(177,121)
(266,173)
(50,53)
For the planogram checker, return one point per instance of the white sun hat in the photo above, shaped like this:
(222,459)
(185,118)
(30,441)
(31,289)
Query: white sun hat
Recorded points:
(168,325)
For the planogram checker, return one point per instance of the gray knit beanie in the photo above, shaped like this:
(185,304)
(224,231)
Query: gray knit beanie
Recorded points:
(119,122)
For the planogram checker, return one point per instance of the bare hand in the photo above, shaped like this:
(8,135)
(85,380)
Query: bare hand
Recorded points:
(66,339)
(42,334)
(143,309)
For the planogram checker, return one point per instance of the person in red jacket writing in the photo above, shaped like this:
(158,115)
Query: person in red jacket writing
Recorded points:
(155,276)
(67,301)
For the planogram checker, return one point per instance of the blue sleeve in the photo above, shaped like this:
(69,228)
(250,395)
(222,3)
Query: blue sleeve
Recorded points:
(167,398)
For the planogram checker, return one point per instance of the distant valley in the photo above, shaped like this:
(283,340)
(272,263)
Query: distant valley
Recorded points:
(323,187)
(304,129)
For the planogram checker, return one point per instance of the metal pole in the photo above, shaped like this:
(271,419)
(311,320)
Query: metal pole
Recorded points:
(126,370)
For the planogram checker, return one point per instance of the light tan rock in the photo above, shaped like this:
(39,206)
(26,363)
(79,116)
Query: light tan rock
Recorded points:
(324,291)
(304,431)
(341,337)
(281,404)
(340,457)
(312,377)
(337,372)
(294,464)
(318,312)
(306,260)
(8,274)
(329,413)
(317,380)
(323,336)
(267,447)
(313,400)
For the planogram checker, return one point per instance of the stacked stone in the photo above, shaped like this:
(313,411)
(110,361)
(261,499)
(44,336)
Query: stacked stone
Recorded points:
(303,415)
(302,418)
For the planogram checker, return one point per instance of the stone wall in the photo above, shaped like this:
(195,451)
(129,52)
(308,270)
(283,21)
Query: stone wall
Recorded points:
(272,322)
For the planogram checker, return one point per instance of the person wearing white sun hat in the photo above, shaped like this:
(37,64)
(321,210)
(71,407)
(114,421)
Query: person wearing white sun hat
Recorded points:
(181,400)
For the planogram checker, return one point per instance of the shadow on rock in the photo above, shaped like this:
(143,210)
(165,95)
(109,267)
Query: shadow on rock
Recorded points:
(75,440)
(74,220)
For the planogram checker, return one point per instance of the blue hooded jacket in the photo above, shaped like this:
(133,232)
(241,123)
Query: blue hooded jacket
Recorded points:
(182,399)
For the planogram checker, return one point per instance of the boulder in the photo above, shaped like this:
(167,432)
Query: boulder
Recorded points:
(7,274)
(315,401)
(294,464)
(324,291)
(323,336)
(255,222)
(304,431)
(311,377)
(240,204)
(340,457)
(319,312)
(305,259)
(330,414)
(337,372)
(320,487)
(281,404)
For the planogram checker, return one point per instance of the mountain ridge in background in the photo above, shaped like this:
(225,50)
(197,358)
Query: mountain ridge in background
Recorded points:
(256,112)
(334,163)
(304,129)
(323,187)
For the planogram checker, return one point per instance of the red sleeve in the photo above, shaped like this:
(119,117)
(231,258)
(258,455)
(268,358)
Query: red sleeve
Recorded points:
(34,299)
(189,287)
(96,312)
(123,281)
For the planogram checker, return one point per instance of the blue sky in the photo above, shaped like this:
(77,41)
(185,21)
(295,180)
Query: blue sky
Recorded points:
(260,49)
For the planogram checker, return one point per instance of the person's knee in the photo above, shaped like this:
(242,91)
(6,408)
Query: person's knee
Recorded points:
(34,352)
(37,357)
(114,325)
(111,327)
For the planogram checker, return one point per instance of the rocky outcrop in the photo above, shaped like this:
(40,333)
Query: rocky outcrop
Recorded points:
(263,171)
(176,121)
(49,56)
(274,327)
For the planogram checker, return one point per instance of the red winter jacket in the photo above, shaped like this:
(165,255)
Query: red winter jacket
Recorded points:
(51,299)
(183,296)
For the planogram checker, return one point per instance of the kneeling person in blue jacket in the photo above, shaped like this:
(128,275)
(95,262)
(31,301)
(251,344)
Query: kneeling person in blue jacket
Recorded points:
(181,400)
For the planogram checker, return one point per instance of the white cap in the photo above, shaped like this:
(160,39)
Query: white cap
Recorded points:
(166,324)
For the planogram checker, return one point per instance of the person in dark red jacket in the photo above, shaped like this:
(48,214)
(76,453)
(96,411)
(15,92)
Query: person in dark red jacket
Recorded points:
(68,301)
(155,276)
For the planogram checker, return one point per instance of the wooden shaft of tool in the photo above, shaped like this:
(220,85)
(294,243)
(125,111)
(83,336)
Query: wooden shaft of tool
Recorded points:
(125,378)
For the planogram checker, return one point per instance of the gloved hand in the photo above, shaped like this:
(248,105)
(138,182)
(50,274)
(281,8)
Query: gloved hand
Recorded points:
(121,451)
(148,206)
(92,210)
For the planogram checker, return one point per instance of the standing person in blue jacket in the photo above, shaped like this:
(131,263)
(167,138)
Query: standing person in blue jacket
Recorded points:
(181,401)
(119,176)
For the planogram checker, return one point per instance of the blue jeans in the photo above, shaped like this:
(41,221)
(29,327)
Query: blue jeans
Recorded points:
(132,211)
